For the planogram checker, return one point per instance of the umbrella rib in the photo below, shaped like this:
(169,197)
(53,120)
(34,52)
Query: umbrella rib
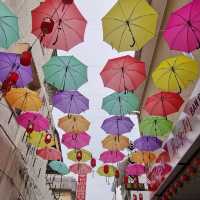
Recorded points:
(120,41)
(2,29)
(113,18)
(132,12)
(9,26)
(136,18)
(113,30)
(141,27)
(122,11)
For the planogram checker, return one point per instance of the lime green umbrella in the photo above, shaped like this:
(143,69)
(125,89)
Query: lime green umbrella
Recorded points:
(110,171)
(9,30)
(120,103)
(65,72)
(154,125)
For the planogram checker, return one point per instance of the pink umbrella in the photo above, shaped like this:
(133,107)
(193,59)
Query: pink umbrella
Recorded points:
(80,169)
(135,170)
(161,169)
(111,156)
(75,141)
(49,153)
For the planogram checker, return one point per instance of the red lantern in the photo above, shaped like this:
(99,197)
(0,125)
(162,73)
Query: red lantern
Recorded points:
(93,163)
(47,25)
(184,178)
(117,173)
(106,169)
(29,129)
(67,1)
(79,155)
(125,180)
(48,138)
(140,196)
(26,58)
(13,77)
(134,197)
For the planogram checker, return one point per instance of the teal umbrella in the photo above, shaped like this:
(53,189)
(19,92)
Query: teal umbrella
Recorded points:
(59,167)
(9,30)
(65,72)
(120,103)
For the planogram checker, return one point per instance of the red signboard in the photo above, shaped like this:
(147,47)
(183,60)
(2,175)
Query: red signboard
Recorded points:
(81,187)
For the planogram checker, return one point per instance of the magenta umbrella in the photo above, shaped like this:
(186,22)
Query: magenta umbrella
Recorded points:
(135,170)
(75,141)
(182,32)
(111,156)
(80,169)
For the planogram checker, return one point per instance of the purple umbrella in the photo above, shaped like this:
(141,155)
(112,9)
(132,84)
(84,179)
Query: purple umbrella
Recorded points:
(10,62)
(135,170)
(148,143)
(70,102)
(111,156)
(117,125)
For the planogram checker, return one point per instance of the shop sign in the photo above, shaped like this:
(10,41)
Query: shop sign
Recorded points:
(81,187)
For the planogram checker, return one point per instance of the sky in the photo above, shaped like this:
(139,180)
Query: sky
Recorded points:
(94,53)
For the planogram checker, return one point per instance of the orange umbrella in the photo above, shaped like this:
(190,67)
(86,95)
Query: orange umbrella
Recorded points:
(143,157)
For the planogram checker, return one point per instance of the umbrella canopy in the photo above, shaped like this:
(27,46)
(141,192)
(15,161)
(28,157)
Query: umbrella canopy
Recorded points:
(36,120)
(24,99)
(77,141)
(143,157)
(155,125)
(111,156)
(129,25)
(111,171)
(176,73)
(74,123)
(49,153)
(70,102)
(163,157)
(80,169)
(148,143)
(117,125)
(123,73)
(9,32)
(163,103)
(120,103)
(86,155)
(65,72)
(182,29)
(115,143)
(161,169)
(58,25)
(59,167)
(10,62)
(135,170)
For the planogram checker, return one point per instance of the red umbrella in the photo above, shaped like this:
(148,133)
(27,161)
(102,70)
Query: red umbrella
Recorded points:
(123,73)
(49,153)
(58,25)
(163,103)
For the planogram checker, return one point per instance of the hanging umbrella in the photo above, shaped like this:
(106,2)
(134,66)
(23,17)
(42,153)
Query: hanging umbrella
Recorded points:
(70,102)
(123,73)
(143,157)
(74,123)
(135,170)
(65,72)
(9,32)
(111,171)
(163,103)
(115,143)
(129,25)
(148,143)
(117,125)
(176,73)
(155,125)
(86,155)
(59,167)
(161,169)
(77,141)
(111,156)
(163,157)
(24,99)
(182,29)
(120,103)
(80,169)
(49,153)
(9,63)
(58,25)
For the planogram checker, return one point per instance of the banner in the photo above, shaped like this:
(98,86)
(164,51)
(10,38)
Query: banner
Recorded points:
(81,187)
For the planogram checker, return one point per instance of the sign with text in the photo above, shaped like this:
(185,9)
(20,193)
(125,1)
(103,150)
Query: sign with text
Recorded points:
(81,187)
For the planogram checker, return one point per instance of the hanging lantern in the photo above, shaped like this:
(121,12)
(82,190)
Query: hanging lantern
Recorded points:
(48,138)
(125,180)
(47,25)
(184,178)
(117,173)
(29,129)
(106,169)
(67,1)
(134,197)
(79,155)
(13,77)
(93,162)
(140,196)
(26,58)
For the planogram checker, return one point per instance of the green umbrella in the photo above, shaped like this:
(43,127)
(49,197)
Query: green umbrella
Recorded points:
(65,72)
(59,167)
(9,30)
(156,126)
(120,103)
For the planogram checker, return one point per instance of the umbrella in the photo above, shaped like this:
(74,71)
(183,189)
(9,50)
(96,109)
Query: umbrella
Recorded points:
(156,125)
(163,103)
(115,143)
(80,169)
(161,169)
(58,25)
(163,157)
(77,141)
(86,155)
(111,171)
(65,72)
(9,32)
(117,125)
(10,62)
(49,153)
(129,25)
(143,157)
(74,123)
(123,73)
(135,170)
(147,143)
(182,29)
(59,167)
(24,99)
(176,73)
(120,103)
(111,156)
(70,102)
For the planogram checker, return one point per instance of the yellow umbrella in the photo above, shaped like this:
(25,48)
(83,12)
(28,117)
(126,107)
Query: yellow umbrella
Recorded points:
(129,25)
(115,143)
(111,171)
(86,155)
(176,73)
(24,99)
(143,157)
(74,123)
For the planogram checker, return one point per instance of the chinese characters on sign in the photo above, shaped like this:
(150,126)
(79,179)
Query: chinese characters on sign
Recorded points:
(81,187)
